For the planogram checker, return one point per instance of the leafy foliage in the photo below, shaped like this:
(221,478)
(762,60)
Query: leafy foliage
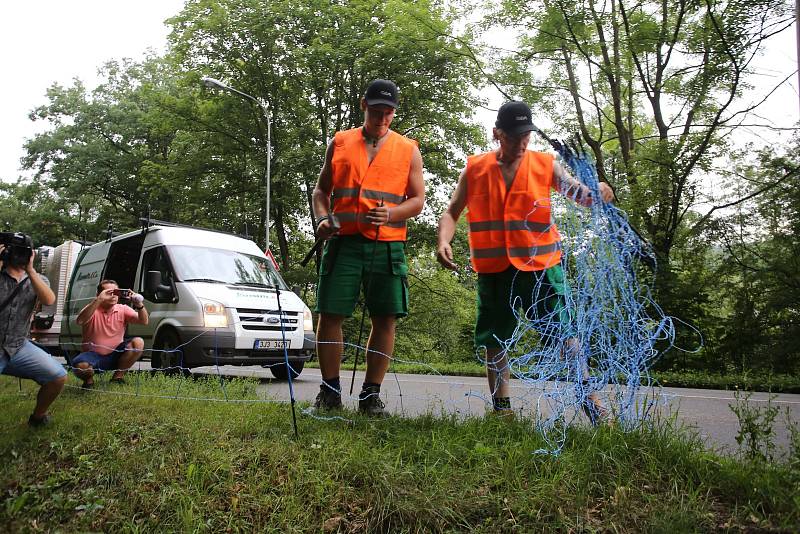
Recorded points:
(656,90)
(761,251)
(149,140)
(311,62)
(137,145)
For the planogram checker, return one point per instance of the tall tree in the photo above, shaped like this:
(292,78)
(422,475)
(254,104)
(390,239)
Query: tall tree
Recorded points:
(35,209)
(654,88)
(143,142)
(760,243)
(311,60)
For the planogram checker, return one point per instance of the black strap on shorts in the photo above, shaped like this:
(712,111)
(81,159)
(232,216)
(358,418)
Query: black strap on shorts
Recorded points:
(329,260)
(13,294)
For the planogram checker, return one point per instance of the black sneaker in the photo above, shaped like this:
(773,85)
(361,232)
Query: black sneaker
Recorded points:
(37,422)
(370,403)
(327,399)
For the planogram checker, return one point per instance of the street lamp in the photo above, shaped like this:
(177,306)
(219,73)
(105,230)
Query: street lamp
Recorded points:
(212,83)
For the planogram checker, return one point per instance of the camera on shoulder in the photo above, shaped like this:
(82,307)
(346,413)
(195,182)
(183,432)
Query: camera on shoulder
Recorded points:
(18,248)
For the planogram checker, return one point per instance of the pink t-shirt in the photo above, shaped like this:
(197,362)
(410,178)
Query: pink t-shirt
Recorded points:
(105,329)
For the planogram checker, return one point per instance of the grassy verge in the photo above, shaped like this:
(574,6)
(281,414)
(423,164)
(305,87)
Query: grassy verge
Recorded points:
(776,383)
(124,463)
(435,368)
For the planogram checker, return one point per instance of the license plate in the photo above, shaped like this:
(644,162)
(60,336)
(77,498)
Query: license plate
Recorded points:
(262,344)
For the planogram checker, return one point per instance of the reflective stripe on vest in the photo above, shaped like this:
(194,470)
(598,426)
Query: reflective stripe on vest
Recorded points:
(514,227)
(485,226)
(359,186)
(350,217)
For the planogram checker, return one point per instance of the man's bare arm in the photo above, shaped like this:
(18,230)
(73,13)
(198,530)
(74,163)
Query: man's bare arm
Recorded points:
(42,290)
(448,221)
(571,188)
(86,313)
(321,197)
(142,316)
(137,303)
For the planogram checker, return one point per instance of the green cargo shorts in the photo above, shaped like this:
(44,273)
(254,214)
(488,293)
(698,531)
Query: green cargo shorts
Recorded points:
(352,262)
(540,294)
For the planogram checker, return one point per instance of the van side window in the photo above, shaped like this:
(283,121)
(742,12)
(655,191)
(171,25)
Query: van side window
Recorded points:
(156,259)
(123,258)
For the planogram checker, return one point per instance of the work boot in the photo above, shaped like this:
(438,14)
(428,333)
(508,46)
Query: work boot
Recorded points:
(37,422)
(327,399)
(370,403)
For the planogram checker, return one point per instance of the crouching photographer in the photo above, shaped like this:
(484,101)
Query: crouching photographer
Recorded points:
(105,346)
(20,287)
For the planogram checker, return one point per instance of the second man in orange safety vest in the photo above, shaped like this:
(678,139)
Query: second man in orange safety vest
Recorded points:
(374,176)
(514,245)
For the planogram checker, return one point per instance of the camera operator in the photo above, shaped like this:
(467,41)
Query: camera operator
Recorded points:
(103,321)
(20,287)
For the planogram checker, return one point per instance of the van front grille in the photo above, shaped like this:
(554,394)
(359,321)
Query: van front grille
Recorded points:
(268,320)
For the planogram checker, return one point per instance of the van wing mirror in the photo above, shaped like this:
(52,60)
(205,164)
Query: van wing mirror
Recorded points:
(155,290)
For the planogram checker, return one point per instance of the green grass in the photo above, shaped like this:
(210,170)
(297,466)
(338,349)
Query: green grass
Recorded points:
(751,381)
(140,464)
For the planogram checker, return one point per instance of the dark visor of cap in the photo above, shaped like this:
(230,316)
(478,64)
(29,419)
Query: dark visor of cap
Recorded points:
(381,92)
(514,118)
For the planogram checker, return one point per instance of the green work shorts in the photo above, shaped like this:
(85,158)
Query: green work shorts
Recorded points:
(536,295)
(352,262)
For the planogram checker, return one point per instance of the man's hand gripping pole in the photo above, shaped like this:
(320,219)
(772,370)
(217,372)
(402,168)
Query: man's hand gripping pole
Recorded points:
(334,222)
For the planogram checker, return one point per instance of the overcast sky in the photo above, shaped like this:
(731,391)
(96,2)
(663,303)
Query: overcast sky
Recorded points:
(47,41)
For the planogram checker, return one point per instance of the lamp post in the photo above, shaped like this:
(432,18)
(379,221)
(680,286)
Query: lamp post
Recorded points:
(212,83)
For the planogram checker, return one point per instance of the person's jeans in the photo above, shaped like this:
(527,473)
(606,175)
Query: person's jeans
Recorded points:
(31,362)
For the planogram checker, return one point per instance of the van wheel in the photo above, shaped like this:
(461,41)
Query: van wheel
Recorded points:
(163,359)
(280,371)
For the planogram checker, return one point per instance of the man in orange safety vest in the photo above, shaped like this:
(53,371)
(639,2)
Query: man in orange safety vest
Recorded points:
(374,176)
(515,246)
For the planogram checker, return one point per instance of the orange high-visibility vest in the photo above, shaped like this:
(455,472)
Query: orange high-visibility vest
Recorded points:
(511,227)
(359,186)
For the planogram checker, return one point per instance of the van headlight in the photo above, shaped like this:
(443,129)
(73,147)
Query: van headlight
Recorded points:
(214,314)
(308,319)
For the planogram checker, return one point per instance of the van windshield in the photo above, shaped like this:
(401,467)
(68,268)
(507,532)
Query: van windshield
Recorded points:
(215,265)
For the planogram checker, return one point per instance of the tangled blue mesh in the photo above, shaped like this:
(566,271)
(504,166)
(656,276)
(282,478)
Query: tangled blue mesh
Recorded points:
(596,362)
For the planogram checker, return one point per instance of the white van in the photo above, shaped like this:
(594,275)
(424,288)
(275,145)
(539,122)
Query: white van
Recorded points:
(214,296)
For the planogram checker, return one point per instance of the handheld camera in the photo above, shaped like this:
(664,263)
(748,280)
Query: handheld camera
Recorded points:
(123,294)
(18,248)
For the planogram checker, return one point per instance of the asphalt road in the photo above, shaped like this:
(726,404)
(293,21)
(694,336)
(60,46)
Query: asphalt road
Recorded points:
(705,411)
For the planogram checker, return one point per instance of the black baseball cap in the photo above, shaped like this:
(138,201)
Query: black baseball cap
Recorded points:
(381,92)
(514,118)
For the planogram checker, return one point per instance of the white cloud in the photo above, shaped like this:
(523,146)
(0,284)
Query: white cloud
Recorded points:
(49,41)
